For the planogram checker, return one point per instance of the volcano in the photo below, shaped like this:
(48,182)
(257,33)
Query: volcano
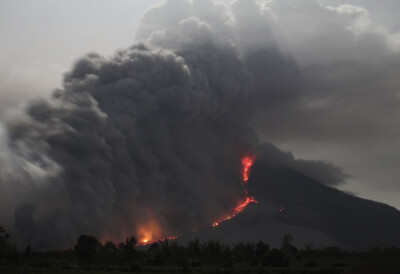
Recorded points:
(165,136)
(314,214)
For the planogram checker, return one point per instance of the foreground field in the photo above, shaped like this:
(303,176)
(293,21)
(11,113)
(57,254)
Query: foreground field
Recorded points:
(330,261)
(91,256)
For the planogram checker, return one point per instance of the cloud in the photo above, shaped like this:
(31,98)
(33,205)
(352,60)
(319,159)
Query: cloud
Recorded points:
(152,137)
(128,142)
(320,171)
(348,104)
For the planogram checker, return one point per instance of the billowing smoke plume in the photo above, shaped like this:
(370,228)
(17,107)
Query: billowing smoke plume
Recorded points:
(148,142)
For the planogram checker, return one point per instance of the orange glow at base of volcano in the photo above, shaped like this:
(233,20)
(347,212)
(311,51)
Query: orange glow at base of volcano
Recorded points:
(148,242)
(151,232)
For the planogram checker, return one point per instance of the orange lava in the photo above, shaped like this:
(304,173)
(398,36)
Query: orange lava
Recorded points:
(247,162)
(148,242)
(242,206)
(150,230)
(237,210)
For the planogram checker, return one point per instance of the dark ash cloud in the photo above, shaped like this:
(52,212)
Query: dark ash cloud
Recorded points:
(151,138)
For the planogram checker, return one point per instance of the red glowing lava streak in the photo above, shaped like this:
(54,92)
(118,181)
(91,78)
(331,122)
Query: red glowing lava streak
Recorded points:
(148,233)
(247,162)
(242,206)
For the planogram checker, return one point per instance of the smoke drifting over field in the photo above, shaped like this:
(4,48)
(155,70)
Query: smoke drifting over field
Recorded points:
(149,141)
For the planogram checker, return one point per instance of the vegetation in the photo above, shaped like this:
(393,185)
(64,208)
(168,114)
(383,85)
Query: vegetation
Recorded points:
(7,250)
(90,256)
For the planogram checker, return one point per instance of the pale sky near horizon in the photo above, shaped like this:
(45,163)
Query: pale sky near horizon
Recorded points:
(41,39)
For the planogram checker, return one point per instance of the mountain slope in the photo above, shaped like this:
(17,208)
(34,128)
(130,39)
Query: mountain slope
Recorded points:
(350,220)
(312,213)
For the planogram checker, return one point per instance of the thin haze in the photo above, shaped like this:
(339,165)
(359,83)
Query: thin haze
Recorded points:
(321,76)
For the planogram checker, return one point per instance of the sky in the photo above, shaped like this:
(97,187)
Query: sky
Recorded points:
(42,39)
(347,109)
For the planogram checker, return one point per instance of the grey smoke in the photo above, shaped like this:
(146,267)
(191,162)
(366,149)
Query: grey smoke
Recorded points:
(154,132)
(131,136)
(320,171)
(348,55)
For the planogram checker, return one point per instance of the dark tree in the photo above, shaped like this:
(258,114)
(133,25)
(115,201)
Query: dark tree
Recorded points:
(166,250)
(27,252)
(4,236)
(194,247)
(7,250)
(159,259)
(211,248)
(109,251)
(261,248)
(253,261)
(287,242)
(87,247)
(275,258)
(244,250)
(154,247)
(287,245)
(128,248)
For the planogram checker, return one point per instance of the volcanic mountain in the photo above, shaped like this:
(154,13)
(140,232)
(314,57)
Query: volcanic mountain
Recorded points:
(316,215)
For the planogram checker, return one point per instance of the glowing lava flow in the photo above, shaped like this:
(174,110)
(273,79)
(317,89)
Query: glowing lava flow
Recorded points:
(151,232)
(148,242)
(247,162)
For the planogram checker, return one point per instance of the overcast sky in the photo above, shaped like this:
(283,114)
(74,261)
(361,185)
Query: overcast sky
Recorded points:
(41,39)
(347,52)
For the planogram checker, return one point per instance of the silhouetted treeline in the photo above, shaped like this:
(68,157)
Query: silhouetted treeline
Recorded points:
(7,249)
(90,255)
